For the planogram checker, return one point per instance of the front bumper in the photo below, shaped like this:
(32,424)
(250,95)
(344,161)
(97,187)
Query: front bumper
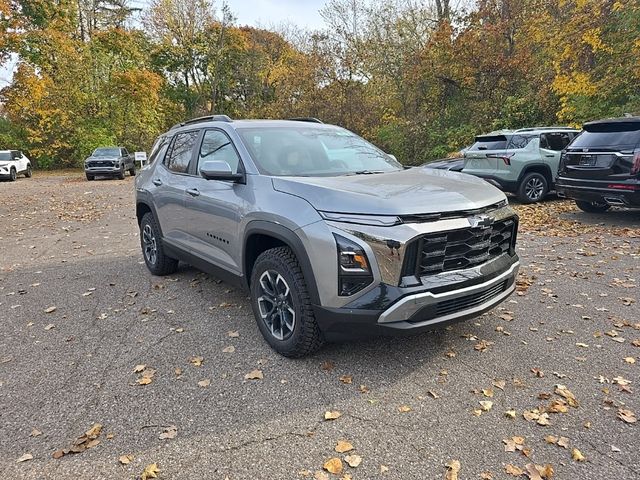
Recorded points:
(103,170)
(465,294)
(600,192)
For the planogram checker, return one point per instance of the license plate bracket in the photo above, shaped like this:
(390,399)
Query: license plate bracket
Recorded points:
(588,160)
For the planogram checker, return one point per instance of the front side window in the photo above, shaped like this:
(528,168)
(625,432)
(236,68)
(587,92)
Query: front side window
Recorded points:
(556,141)
(181,152)
(216,146)
(313,151)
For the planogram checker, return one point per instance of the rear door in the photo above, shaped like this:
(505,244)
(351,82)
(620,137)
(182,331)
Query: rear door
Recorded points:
(603,151)
(170,181)
(551,146)
(481,158)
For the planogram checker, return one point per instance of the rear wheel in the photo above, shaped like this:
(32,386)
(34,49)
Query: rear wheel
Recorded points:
(592,207)
(13,174)
(152,245)
(29,172)
(533,188)
(281,304)
(132,171)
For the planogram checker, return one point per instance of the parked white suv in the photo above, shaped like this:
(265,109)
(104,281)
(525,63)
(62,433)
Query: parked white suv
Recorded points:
(13,163)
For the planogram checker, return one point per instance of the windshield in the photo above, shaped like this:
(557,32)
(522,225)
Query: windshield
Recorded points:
(5,156)
(106,152)
(313,152)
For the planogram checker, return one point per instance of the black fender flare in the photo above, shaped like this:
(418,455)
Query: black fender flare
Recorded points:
(144,198)
(292,240)
(528,169)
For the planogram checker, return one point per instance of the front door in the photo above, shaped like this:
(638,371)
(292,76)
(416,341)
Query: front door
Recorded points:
(214,208)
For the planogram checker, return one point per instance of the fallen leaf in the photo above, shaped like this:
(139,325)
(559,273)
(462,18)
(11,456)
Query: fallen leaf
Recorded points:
(566,393)
(233,333)
(332,415)
(343,447)
(50,309)
(35,433)
(353,460)
(630,360)
(24,458)
(139,368)
(169,432)
(627,415)
(404,408)
(577,455)
(254,375)
(319,475)
(50,326)
(453,468)
(229,349)
(327,366)
(196,361)
(384,469)
(333,465)
(486,475)
(486,405)
(204,383)
(510,414)
(513,470)
(150,471)
(125,459)
(346,379)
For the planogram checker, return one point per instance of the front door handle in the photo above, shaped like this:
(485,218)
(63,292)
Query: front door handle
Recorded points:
(157,182)
(550,155)
(194,192)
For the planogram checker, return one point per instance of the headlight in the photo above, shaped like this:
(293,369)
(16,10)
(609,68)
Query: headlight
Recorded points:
(354,270)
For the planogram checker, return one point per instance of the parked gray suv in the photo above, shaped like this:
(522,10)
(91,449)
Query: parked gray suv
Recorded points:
(332,237)
(109,161)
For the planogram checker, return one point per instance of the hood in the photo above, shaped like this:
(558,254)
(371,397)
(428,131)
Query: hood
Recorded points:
(406,192)
(108,159)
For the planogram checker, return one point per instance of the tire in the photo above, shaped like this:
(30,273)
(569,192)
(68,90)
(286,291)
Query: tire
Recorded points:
(121,173)
(132,171)
(533,188)
(156,260)
(29,172)
(90,177)
(278,270)
(13,174)
(592,207)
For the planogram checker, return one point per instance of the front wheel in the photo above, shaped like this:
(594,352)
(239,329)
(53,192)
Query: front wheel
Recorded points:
(90,177)
(121,173)
(152,245)
(592,207)
(13,175)
(533,188)
(281,304)
(29,172)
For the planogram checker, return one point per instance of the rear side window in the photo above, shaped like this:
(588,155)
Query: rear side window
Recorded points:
(555,140)
(490,142)
(520,141)
(609,135)
(179,158)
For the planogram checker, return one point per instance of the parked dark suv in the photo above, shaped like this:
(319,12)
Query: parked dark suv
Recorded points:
(601,167)
(331,236)
(109,161)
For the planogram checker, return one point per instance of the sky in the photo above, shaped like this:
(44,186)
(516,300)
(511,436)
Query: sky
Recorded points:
(263,13)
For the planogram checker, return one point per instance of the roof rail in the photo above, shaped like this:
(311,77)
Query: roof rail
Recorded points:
(208,118)
(306,119)
(531,129)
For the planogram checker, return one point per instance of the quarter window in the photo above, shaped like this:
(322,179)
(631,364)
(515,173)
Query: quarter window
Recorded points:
(180,157)
(216,146)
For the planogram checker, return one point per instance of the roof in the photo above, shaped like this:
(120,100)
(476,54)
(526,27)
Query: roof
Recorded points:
(245,123)
(630,119)
(532,130)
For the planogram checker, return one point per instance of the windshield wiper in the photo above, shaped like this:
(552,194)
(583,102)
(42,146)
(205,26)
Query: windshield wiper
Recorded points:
(366,172)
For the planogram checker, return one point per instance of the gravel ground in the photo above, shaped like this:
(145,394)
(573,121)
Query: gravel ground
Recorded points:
(408,406)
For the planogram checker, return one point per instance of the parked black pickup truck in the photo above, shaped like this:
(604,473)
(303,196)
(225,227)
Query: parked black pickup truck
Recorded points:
(109,161)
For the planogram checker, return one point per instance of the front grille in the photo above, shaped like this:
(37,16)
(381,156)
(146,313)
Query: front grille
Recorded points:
(463,303)
(439,252)
(100,164)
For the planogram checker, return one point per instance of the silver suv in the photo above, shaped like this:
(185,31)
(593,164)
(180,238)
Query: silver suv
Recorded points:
(524,161)
(332,237)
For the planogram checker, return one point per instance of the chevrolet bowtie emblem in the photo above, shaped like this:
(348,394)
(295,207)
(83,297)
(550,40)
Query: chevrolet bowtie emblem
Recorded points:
(482,222)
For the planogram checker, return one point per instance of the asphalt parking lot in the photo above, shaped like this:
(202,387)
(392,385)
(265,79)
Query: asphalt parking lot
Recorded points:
(79,312)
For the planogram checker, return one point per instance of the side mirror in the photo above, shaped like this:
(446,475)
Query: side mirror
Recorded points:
(219,170)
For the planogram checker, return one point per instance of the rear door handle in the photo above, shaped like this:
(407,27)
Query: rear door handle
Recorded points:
(549,155)
(194,192)
(157,182)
